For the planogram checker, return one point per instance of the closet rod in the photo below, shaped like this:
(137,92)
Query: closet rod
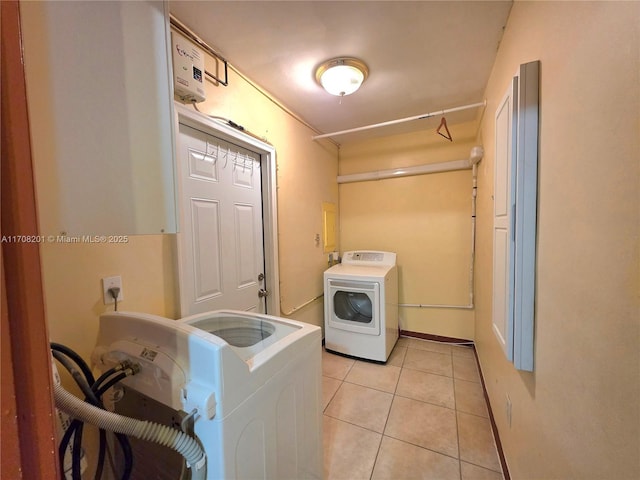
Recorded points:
(402,120)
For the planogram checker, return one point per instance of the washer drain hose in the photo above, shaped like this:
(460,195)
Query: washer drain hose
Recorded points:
(150,431)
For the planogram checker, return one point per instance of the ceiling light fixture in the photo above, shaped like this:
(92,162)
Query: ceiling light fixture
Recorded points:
(342,76)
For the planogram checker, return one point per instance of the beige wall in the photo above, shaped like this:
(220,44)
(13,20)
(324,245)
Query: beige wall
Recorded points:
(425,219)
(578,415)
(72,273)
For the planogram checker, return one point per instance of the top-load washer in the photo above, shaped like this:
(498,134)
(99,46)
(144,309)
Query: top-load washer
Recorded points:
(248,385)
(361,305)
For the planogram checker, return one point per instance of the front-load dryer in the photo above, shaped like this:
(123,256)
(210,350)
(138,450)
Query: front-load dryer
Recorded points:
(361,305)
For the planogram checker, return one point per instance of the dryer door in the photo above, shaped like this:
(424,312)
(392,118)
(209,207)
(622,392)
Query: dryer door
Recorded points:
(354,306)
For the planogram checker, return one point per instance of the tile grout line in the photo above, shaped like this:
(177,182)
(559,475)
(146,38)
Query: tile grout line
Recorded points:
(382,435)
(455,406)
(494,427)
(429,403)
(384,428)
(425,448)
(394,393)
(332,396)
(375,460)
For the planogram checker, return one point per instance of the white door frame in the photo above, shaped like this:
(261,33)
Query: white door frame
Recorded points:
(269,199)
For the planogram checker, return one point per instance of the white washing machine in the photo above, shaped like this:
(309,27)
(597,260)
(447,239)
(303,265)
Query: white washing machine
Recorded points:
(361,305)
(247,385)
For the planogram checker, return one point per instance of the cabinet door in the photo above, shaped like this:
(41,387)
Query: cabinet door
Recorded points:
(101,112)
(503,218)
(515,217)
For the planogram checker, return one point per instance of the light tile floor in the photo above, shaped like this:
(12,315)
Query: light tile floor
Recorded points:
(421,416)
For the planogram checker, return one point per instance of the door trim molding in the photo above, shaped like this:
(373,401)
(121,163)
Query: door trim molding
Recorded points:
(269,193)
(29,445)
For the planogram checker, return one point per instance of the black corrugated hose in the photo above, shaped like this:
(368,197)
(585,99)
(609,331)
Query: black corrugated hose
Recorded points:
(93,391)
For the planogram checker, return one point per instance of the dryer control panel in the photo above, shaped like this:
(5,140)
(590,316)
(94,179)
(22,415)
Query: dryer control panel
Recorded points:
(369,257)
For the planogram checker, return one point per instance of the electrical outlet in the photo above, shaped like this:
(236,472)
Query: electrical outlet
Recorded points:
(111,282)
(508,410)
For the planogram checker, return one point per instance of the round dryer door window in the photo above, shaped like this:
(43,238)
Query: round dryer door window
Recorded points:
(353,306)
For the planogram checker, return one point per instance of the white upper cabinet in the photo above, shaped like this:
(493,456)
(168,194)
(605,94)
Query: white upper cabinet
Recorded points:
(100,96)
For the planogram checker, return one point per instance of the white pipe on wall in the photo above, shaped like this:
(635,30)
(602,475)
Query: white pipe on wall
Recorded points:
(476,155)
(402,120)
(299,307)
(474,194)
(406,171)
(431,305)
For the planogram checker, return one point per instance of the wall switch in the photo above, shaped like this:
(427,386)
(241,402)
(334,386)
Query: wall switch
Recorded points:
(111,282)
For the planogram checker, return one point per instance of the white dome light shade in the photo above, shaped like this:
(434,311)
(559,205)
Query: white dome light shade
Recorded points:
(342,76)
(342,80)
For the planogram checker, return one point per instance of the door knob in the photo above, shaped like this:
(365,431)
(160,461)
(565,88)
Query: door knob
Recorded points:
(263,293)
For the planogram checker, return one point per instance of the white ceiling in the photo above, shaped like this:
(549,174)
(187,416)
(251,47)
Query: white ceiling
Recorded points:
(423,56)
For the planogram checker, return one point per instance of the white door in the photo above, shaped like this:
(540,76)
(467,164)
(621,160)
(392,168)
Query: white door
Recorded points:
(221,240)
(503,218)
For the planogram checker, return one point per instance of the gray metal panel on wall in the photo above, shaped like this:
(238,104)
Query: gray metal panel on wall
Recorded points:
(526,215)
